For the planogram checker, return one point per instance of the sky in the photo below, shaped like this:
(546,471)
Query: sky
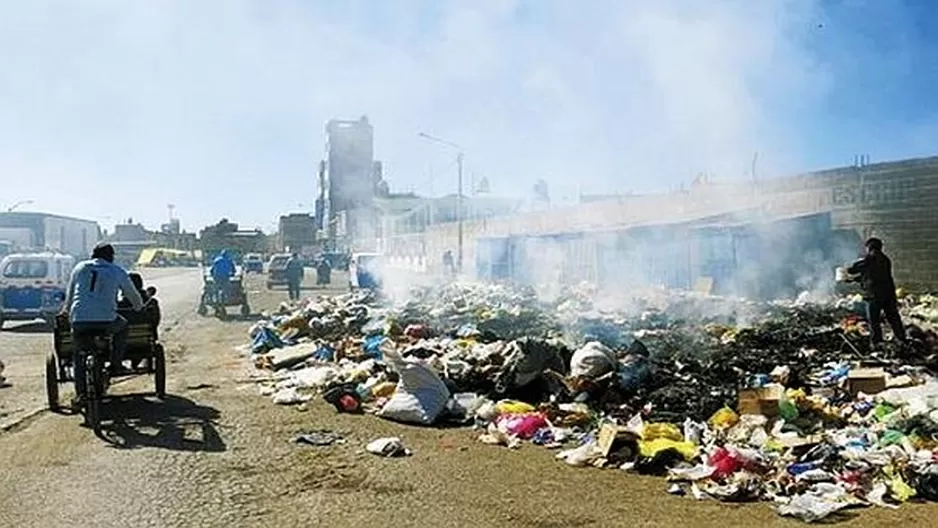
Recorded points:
(112,109)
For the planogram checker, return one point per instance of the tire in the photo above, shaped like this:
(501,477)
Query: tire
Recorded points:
(159,372)
(202,309)
(52,382)
(270,286)
(245,310)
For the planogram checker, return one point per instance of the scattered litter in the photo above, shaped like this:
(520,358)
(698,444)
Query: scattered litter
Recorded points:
(320,438)
(388,447)
(290,396)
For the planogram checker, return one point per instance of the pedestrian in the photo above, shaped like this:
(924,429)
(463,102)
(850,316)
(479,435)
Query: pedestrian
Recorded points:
(294,273)
(323,272)
(449,266)
(879,291)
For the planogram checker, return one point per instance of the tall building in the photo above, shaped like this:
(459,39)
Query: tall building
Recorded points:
(352,178)
(349,163)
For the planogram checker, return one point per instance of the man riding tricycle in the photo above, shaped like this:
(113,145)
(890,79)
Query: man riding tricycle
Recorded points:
(222,286)
(97,339)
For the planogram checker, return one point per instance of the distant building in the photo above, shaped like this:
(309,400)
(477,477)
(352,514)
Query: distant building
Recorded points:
(297,232)
(130,232)
(41,231)
(227,235)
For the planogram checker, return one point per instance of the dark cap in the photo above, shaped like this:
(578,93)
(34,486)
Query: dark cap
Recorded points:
(103,251)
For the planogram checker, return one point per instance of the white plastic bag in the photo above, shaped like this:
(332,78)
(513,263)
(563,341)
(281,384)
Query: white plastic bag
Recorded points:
(289,396)
(421,395)
(592,361)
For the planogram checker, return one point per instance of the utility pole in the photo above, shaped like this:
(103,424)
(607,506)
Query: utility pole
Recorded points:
(459,226)
(459,193)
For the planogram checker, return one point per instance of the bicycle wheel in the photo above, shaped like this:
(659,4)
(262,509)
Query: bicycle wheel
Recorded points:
(93,392)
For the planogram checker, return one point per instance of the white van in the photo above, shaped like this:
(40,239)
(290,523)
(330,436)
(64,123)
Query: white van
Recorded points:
(33,285)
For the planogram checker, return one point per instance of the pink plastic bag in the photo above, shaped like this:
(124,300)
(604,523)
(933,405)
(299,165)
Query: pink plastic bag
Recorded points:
(522,425)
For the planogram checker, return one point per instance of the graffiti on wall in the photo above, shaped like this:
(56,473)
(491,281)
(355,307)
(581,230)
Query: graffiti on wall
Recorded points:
(877,193)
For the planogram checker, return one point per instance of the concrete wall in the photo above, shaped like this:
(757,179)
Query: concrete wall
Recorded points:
(895,201)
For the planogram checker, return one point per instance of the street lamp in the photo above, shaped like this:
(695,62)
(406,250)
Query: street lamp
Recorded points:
(459,226)
(19,203)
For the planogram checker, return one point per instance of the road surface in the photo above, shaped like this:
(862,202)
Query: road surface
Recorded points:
(217,454)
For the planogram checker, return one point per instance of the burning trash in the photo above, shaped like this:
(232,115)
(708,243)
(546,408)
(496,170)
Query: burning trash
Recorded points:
(731,400)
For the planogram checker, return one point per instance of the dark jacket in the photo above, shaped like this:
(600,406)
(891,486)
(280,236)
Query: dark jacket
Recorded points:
(294,271)
(875,272)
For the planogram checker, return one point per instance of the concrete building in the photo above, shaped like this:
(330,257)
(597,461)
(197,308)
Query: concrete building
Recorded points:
(351,180)
(42,231)
(297,232)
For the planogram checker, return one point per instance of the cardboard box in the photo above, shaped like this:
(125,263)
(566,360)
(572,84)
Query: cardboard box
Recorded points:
(610,435)
(866,380)
(763,400)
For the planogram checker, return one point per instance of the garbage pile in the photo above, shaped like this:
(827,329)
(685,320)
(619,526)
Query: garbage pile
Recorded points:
(730,400)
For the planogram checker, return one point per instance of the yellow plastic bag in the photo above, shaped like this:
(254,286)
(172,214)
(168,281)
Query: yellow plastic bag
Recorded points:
(384,389)
(654,431)
(724,418)
(650,448)
(513,407)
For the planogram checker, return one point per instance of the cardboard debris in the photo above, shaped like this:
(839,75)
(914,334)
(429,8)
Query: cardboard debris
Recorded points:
(763,400)
(866,380)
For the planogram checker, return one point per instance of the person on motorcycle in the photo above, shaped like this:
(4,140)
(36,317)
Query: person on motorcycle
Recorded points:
(222,270)
(91,305)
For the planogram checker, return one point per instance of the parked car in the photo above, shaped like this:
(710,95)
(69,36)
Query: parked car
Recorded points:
(253,263)
(277,270)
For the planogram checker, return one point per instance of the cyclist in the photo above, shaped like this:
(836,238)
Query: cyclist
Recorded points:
(91,305)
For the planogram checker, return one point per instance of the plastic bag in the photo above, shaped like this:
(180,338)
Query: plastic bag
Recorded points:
(724,418)
(513,407)
(420,396)
(387,447)
(648,449)
(810,508)
(787,408)
(289,396)
(522,425)
(724,463)
(653,431)
(592,361)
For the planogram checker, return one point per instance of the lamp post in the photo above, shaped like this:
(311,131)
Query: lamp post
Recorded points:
(19,203)
(459,163)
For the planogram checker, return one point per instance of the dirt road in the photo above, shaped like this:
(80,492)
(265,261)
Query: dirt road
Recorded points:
(217,454)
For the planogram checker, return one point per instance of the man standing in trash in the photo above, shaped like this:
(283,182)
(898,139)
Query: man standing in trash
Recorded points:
(294,273)
(879,290)
(91,304)
(222,270)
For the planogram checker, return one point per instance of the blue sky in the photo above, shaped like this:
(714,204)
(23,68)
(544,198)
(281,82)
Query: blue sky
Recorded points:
(111,109)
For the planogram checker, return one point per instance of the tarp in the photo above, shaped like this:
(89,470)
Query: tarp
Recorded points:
(149,254)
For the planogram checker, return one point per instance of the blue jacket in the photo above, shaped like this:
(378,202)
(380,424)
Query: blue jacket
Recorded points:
(92,291)
(222,267)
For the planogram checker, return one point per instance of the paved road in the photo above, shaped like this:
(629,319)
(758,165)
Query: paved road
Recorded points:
(24,345)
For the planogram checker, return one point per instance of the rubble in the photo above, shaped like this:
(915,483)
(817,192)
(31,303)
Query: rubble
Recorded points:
(730,400)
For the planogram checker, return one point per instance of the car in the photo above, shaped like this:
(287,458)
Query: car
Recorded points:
(253,263)
(277,270)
